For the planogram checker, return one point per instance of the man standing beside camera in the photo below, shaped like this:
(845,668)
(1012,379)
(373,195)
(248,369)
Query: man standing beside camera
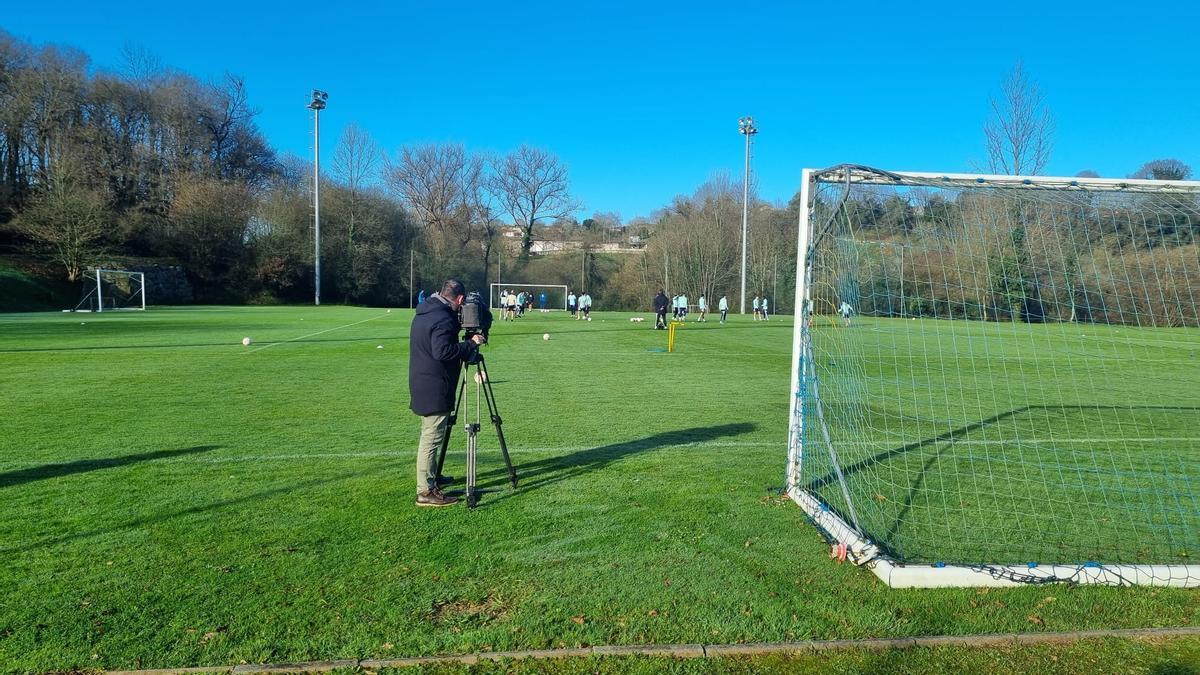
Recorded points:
(434,361)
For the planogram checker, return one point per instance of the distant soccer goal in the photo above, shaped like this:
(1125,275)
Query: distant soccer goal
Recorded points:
(996,380)
(555,294)
(112,290)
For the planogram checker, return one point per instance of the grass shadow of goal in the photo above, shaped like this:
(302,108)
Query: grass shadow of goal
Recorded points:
(939,445)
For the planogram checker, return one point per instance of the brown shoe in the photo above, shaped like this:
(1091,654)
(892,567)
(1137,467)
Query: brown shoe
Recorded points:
(435,498)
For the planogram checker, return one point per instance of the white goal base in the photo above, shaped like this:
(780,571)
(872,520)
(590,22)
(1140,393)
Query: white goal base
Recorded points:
(896,575)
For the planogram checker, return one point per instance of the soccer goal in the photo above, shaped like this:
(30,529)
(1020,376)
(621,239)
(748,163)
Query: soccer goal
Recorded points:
(556,294)
(1013,395)
(112,290)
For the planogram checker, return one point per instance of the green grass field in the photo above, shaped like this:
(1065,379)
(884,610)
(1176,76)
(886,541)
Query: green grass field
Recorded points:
(171,498)
(966,441)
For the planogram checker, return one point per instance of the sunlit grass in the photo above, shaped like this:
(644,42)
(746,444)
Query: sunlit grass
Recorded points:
(169,497)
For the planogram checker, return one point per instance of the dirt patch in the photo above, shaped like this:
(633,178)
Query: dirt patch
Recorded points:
(469,611)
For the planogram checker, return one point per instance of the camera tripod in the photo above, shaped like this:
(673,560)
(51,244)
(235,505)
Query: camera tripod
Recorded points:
(483,384)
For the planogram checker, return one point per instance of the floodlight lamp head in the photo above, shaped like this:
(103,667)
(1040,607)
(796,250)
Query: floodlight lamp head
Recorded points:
(319,99)
(746,126)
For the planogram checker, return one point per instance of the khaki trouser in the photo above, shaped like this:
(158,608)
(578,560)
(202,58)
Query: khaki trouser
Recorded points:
(433,430)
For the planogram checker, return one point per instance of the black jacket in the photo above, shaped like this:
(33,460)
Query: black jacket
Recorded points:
(435,357)
(660,303)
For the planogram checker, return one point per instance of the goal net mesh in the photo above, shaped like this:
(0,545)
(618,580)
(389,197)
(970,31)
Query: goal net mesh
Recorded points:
(555,296)
(1005,373)
(111,290)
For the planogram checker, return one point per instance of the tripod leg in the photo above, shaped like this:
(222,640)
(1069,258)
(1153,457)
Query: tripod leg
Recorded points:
(494,411)
(462,388)
(472,436)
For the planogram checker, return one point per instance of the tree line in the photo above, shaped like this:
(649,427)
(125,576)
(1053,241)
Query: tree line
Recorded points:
(1022,255)
(145,164)
(148,164)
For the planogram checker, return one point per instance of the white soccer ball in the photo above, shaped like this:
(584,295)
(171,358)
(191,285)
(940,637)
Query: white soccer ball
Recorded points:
(246,342)
(480,377)
(589,318)
(379,347)
(389,311)
(545,336)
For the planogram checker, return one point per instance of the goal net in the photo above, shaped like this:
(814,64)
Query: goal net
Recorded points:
(555,294)
(112,290)
(996,379)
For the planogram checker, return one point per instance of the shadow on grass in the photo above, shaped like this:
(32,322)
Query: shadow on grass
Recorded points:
(543,472)
(139,523)
(956,434)
(940,443)
(22,476)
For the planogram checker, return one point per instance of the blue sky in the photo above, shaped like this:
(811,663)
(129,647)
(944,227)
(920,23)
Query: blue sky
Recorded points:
(641,100)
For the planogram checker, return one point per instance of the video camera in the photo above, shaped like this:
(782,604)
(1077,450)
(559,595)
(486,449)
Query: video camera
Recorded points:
(475,316)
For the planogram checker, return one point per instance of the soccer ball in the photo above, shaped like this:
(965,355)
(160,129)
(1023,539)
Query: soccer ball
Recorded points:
(545,336)
(480,377)
(246,342)
(589,318)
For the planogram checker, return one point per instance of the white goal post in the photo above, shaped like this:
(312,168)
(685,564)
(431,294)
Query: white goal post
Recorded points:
(556,294)
(107,290)
(994,377)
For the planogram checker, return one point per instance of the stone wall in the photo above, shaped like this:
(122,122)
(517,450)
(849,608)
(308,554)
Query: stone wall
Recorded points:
(166,285)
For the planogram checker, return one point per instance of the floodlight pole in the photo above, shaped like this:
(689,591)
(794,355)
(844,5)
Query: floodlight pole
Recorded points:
(746,128)
(318,103)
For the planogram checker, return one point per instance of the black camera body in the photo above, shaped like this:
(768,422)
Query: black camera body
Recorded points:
(476,318)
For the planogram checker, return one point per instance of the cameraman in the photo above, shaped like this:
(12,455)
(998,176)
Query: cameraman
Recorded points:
(434,360)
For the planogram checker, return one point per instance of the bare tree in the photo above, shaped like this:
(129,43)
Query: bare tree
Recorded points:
(356,158)
(439,184)
(531,185)
(65,218)
(1020,130)
(1164,169)
(210,218)
(355,161)
(485,216)
(139,65)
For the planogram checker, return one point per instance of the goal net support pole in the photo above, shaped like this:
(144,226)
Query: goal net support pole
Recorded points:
(114,290)
(994,442)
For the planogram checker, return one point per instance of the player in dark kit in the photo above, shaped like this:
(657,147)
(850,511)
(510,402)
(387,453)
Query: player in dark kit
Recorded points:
(661,302)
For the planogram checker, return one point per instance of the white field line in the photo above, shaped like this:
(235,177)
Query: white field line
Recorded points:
(406,451)
(320,332)
(558,450)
